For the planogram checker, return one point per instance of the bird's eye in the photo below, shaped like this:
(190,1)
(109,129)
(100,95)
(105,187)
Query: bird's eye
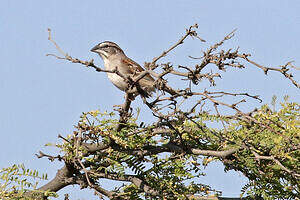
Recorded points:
(105,46)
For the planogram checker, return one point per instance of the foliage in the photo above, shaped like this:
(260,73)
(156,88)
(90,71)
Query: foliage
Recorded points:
(271,157)
(268,157)
(17,181)
(162,172)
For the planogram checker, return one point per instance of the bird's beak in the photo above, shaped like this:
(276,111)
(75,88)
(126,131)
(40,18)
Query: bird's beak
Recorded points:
(94,49)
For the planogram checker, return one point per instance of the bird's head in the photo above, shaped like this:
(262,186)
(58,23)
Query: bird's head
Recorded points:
(107,49)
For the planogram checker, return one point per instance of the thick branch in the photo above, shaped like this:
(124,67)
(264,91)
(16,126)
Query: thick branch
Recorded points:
(62,179)
(174,148)
(220,154)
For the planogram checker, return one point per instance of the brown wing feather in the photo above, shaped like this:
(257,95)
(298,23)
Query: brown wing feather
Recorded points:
(135,68)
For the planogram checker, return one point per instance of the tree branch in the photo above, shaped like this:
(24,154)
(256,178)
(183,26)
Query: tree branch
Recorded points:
(63,178)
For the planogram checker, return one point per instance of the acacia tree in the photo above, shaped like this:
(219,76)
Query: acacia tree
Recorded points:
(163,158)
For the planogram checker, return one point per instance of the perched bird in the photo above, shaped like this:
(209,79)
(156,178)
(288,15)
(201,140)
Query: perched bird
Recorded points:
(114,58)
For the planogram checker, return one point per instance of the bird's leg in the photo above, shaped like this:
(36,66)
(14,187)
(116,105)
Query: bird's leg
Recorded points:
(130,96)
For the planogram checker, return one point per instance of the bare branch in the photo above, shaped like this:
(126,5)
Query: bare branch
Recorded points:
(189,32)
(283,70)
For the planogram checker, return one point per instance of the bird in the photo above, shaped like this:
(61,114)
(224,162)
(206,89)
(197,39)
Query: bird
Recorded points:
(115,58)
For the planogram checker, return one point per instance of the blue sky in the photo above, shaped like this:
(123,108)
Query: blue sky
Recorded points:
(42,96)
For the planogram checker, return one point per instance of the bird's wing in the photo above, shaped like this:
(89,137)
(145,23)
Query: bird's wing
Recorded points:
(135,68)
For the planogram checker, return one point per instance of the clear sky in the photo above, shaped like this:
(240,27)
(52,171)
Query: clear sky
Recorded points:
(42,96)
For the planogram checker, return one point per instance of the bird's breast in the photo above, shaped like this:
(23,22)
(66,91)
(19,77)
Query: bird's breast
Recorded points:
(118,81)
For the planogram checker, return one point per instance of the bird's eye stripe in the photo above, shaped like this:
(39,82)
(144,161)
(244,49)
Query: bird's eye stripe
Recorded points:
(105,46)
